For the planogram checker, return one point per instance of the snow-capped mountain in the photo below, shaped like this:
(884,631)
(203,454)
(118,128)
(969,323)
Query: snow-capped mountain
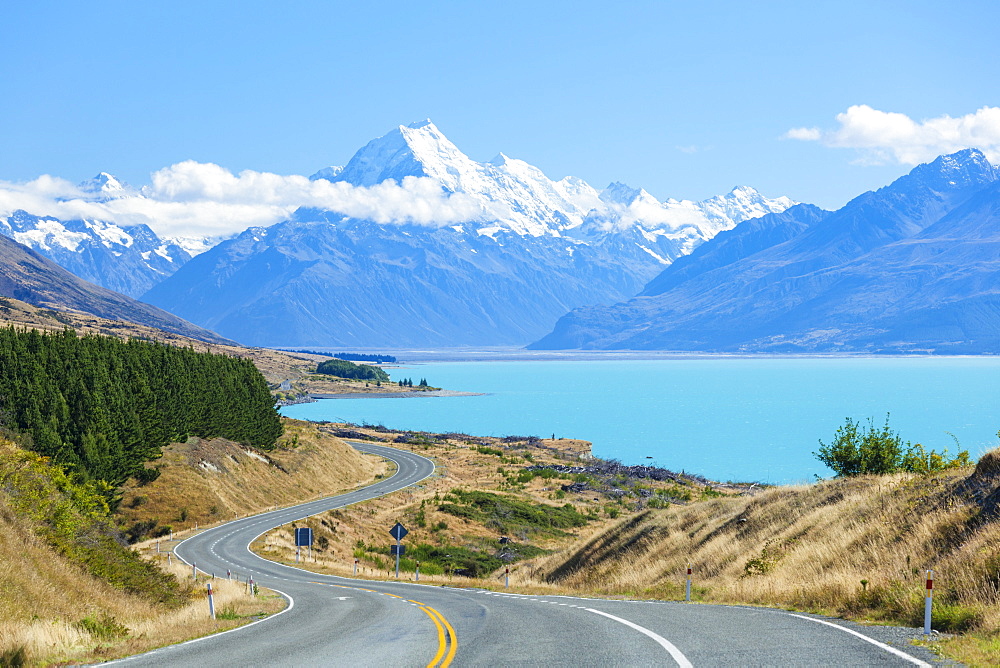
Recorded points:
(104,187)
(911,267)
(129,259)
(537,247)
(516,196)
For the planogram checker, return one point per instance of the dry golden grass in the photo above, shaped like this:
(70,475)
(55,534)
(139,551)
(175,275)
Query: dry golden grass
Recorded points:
(205,482)
(46,599)
(857,547)
(127,625)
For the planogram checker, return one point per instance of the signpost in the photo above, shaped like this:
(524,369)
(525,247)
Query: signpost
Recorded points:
(398,532)
(303,536)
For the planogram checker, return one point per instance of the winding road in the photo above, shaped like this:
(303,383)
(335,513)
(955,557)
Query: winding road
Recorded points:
(335,621)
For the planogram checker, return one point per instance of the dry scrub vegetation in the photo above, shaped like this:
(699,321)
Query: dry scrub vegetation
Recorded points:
(57,612)
(71,592)
(480,492)
(54,614)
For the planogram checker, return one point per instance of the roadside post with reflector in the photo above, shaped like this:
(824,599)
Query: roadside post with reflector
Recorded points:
(928,602)
(687,587)
(211,601)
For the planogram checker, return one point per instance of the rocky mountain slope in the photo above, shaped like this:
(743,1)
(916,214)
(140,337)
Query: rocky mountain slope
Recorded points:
(910,267)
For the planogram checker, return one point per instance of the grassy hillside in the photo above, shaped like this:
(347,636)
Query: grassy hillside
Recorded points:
(71,591)
(858,547)
(204,482)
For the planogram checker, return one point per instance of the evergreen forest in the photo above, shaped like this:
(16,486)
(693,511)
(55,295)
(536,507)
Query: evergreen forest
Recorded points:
(103,407)
(345,369)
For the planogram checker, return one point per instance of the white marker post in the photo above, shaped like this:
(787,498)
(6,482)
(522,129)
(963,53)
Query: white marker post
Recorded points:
(687,587)
(229,574)
(194,571)
(211,601)
(157,547)
(168,558)
(506,577)
(418,572)
(928,602)
(355,567)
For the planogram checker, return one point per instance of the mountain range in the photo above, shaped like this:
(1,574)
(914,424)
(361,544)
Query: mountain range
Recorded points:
(536,249)
(911,267)
(129,259)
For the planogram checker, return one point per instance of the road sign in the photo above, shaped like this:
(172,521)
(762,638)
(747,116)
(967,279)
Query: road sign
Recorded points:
(398,531)
(397,549)
(303,536)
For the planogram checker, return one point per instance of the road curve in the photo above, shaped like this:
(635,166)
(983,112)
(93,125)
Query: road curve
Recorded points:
(334,621)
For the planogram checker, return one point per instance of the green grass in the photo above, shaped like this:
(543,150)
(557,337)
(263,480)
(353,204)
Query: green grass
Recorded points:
(508,515)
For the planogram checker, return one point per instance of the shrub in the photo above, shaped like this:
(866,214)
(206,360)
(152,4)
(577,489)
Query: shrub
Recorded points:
(104,628)
(858,449)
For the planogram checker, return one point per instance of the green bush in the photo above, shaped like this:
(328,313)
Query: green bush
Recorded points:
(105,627)
(508,514)
(858,449)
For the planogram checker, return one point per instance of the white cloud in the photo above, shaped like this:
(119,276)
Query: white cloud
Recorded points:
(805,134)
(204,199)
(884,137)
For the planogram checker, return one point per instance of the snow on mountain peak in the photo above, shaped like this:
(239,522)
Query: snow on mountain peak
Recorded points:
(106,186)
(517,196)
(327,173)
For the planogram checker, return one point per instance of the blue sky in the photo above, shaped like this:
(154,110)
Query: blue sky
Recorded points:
(685,99)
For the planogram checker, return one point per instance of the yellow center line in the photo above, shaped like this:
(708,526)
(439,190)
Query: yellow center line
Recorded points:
(447,639)
(453,645)
(441,639)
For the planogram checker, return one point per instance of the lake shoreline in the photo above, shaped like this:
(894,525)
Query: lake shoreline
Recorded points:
(397,395)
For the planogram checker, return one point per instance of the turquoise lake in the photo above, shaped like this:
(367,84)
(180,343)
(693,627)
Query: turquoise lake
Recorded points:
(726,418)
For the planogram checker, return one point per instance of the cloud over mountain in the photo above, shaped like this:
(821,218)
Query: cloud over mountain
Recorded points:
(204,199)
(891,137)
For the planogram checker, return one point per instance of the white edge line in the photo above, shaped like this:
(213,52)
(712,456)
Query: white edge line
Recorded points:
(291,604)
(663,642)
(901,654)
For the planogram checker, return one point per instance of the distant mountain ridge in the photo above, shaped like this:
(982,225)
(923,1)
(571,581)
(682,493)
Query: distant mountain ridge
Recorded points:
(911,267)
(128,259)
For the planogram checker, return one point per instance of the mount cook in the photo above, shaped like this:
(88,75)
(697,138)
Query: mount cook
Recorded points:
(534,249)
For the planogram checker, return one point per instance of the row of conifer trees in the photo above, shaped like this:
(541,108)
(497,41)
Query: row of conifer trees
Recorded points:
(103,407)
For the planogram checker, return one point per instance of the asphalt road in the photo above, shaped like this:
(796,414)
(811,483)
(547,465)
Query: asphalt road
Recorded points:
(333,621)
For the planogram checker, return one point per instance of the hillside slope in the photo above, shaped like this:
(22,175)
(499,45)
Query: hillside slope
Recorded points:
(858,547)
(27,276)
